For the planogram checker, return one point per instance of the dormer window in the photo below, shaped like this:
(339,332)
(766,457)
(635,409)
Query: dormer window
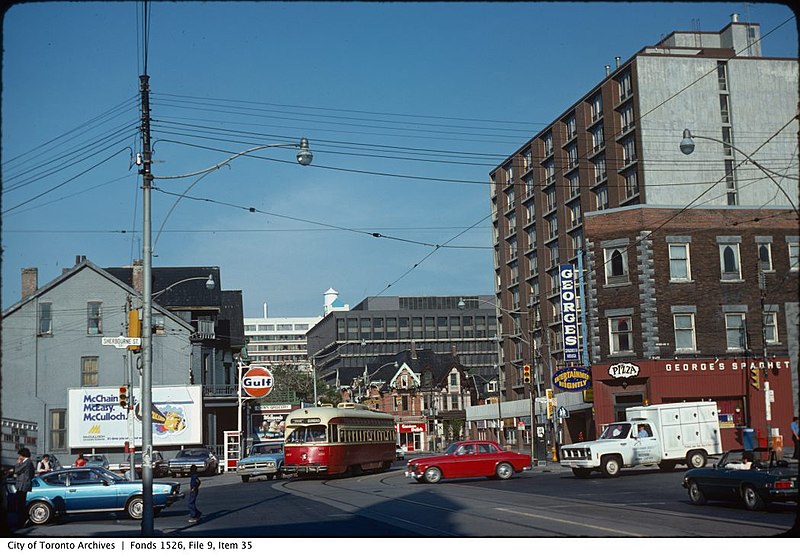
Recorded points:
(454,379)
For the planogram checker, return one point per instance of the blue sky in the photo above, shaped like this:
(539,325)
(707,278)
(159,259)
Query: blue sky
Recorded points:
(407,107)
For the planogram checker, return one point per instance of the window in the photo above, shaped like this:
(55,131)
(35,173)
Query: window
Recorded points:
(794,256)
(509,200)
(572,156)
(527,160)
(509,174)
(530,211)
(548,144)
(512,224)
(679,266)
(625,87)
(684,332)
(631,183)
(735,331)
(629,151)
(626,117)
(550,196)
(94,318)
(512,248)
(532,238)
(514,272)
(620,331)
(89,371)
(765,256)
(729,261)
(574,212)
(574,184)
(549,172)
(572,128)
(771,327)
(529,186)
(722,79)
(533,262)
(599,169)
(454,380)
(58,429)
(554,254)
(552,227)
(724,111)
(597,107)
(45,318)
(601,198)
(598,142)
(616,265)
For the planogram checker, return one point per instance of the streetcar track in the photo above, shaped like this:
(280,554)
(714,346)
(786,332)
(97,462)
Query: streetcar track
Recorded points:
(563,503)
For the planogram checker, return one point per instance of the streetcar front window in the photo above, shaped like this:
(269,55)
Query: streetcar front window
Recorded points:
(310,434)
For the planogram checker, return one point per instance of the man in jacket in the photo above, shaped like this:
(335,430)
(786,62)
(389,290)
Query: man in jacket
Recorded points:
(24,472)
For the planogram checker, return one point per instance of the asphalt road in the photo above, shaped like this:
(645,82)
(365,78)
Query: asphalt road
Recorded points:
(547,502)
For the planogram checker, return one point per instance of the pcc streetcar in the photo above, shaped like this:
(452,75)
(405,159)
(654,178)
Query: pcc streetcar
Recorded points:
(326,441)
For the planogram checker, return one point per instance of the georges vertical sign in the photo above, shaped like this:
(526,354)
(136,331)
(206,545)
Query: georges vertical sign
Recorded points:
(569,313)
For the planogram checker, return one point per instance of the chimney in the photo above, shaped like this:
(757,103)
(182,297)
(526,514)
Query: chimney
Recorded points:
(734,18)
(79,259)
(30,281)
(608,70)
(616,61)
(137,275)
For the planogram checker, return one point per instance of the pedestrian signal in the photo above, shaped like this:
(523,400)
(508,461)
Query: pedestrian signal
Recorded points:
(123,396)
(526,373)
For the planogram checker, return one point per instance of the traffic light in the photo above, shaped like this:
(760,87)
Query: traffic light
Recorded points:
(526,373)
(755,379)
(123,396)
(134,327)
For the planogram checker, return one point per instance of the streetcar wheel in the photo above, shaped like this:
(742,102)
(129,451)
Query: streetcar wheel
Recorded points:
(135,508)
(610,466)
(433,475)
(752,500)
(504,471)
(245,479)
(696,495)
(40,512)
(696,459)
(582,472)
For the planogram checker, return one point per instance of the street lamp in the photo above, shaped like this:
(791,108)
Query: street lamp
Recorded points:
(210,284)
(364,381)
(304,157)
(687,148)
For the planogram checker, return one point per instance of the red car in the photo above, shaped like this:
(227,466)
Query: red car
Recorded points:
(468,459)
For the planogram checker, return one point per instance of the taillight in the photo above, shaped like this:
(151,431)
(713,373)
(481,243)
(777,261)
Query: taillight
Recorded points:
(784,484)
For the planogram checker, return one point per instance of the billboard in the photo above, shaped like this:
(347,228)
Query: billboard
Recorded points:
(97,420)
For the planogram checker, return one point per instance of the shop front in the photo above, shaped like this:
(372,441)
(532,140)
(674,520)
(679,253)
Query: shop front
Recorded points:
(411,435)
(754,396)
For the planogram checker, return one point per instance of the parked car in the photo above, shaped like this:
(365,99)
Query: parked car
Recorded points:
(96,460)
(264,459)
(205,460)
(91,489)
(766,481)
(400,452)
(160,466)
(467,459)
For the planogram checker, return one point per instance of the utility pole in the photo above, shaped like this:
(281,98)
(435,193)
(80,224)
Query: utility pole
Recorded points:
(147,327)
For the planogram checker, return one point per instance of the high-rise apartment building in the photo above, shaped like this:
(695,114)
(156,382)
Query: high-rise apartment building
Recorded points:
(616,149)
(273,341)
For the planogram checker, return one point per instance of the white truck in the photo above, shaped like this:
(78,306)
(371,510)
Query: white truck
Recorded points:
(662,434)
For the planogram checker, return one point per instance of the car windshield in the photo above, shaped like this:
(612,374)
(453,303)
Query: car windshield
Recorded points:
(616,431)
(110,476)
(310,434)
(193,453)
(267,449)
(452,449)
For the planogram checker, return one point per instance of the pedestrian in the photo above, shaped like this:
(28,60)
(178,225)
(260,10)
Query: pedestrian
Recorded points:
(80,461)
(24,472)
(796,438)
(44,465)
(194,491)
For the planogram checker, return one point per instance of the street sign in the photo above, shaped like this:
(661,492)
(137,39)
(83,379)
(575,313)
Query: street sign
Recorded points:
(257,382)
(121,342)
(562,412)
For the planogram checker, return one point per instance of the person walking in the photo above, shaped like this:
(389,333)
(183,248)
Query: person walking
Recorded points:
(194,491)
(796,438)
(24,472)
(44,466)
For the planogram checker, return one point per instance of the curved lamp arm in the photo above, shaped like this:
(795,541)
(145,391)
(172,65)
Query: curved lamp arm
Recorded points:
(210,284)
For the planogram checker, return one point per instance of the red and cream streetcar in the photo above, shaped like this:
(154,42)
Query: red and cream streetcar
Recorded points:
(326,441)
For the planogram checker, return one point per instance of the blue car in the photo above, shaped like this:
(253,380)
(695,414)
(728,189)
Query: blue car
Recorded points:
(264,459)
(93,489)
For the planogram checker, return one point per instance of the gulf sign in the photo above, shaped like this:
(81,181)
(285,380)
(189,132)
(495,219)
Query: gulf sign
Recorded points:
(573,379)
(569,313)
(257,382)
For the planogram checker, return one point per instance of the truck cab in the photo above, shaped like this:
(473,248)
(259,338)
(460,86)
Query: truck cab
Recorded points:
(263,459)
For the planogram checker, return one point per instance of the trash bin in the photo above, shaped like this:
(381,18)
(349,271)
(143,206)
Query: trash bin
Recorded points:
(749,439)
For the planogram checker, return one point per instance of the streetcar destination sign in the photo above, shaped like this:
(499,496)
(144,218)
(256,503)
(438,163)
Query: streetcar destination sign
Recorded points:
(121,342)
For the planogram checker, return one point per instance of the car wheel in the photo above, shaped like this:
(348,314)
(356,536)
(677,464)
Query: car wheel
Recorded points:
(667,466)
(135,508)
(245,479)
(504,471)
(696,459)
(433,475)
(610,466)
(582,472)
(40,512)
(696,495)
(270,476)
(752,500)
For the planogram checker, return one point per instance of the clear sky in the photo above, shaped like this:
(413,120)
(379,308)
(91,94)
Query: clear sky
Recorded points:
(407,108)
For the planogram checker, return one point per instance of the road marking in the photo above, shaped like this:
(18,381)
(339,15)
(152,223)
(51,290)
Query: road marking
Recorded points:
(571,522)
